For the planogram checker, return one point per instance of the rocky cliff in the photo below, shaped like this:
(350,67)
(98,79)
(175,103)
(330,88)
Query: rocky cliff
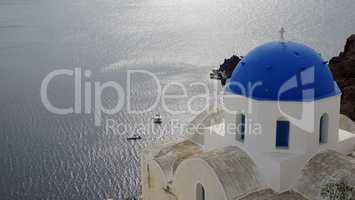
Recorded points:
(227,67)
(343,68)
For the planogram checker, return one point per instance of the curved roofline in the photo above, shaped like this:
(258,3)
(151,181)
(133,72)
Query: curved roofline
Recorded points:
(208,166)
(309,183)
(337,92)
(152,161)
(283,71)
(207,158)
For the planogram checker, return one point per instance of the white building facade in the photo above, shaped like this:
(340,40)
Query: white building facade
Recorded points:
(280,113)
(281,162)
(282,107)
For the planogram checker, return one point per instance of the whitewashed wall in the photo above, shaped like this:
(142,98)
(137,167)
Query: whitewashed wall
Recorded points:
(281,167)
(266,113)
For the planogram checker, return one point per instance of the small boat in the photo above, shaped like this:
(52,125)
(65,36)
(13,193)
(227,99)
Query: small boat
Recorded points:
(157,119)
(135,137)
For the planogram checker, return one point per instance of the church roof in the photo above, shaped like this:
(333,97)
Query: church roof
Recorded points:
(268,194)
(285,71)
(325,167)
(170,156)
(235,170)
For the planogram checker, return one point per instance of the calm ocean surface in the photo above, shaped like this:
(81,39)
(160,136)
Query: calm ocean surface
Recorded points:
(49,156)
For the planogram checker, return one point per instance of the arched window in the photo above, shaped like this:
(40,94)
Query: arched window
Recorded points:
(323,129)
(200,192)
(240,130)
(282,133)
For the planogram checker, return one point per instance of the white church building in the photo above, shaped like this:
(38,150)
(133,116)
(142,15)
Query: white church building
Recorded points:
(276,136)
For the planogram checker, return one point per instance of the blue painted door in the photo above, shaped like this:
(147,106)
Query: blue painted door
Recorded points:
(282,134)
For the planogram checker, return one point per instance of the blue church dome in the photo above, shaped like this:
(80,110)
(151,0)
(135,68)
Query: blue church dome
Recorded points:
(283,71)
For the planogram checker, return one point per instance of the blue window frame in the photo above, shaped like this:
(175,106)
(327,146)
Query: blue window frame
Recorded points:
(282,134)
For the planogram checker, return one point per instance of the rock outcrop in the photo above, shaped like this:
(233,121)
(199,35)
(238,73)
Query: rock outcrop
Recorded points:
(228,66)
(343,68)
